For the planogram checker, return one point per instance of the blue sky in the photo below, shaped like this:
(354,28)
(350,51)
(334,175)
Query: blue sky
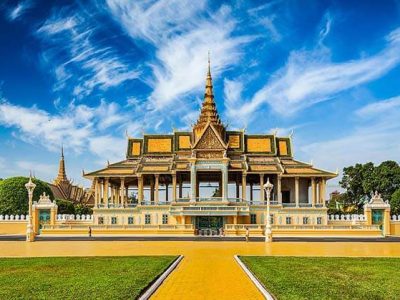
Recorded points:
(84,73)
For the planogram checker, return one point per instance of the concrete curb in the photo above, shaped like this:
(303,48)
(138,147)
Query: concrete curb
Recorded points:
(156,284)
(254,279)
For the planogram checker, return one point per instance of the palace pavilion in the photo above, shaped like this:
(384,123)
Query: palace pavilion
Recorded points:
(208,179)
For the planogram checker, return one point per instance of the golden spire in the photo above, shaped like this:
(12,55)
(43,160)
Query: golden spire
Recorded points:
(62,175)
(209,94)
(208,109)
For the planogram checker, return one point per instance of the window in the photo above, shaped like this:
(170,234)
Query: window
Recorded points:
(253,219)
(319,220)
(271,218)
(113,220)
(130,220)
(288,220)
(305,220)
(165,219)
(147,219)
(101,220)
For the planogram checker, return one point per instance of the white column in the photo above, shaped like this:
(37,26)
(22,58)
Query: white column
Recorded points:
(296,191)
(262,197)
(122,192)
(313,191)
(322,185)
(244,185)
(225,183)
(156,196)
(140,189)
(96,192)
(105,195)
(279,189)
(173,187)
(193,182)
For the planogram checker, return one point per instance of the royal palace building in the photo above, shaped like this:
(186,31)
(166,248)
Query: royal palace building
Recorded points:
(209,178)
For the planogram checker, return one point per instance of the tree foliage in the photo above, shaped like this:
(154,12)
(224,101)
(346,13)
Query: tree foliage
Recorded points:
(14,196)
(81,209)
(361,180)
(395,202)
(65,207)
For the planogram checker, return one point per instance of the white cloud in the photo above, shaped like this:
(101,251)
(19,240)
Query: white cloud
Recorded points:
(268,23)
(71,46)
(112,148)
(40,169)
(19,10)
(310,77)
(326,28)
(156,21)
(79,127)
(379,108)
(58,25)
(232,96)
(182,41)
(374,139)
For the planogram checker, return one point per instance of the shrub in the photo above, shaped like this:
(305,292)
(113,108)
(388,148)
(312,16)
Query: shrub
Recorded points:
(65,207)
(14,196)
(81,209)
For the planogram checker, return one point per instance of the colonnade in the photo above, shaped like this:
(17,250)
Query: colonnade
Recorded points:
(111,194)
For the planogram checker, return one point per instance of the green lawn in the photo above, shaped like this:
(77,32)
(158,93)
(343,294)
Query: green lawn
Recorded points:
(79,277)
(327,277)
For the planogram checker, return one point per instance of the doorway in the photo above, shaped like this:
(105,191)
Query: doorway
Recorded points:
(209,225)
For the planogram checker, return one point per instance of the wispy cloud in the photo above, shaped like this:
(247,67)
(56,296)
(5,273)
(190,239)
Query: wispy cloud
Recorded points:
(80,127)
(263,16)
(24,167)
(81,61)
(379,108)
(325,29)
(181,42)
(19,9)
(374,138)
(309,77)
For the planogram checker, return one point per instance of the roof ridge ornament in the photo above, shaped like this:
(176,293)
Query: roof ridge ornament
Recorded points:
(208,111)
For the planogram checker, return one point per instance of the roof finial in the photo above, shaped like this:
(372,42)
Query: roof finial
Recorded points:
(62,175)
(209,62)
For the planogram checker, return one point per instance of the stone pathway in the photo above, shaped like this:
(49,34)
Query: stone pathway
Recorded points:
(208,270)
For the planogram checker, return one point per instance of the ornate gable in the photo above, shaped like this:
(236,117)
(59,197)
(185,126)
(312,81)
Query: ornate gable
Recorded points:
(210,140)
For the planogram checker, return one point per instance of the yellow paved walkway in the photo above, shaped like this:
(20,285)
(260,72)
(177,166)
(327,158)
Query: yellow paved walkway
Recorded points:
(208,270)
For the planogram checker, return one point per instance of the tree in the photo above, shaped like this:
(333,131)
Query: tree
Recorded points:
(395,203)
(355,181)
(81,209)
(65,207)
(386,179)
(362,179)
(14,196)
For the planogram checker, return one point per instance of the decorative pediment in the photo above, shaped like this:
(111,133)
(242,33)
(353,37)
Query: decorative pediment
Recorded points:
(210,140)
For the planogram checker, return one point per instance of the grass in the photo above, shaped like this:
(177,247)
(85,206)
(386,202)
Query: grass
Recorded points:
(327,277)
(79,277)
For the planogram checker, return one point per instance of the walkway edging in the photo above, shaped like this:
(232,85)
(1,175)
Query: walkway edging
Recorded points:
(254,279)
(156,284)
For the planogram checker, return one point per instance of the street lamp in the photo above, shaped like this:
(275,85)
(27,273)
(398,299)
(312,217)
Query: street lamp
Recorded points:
(30,234)
(268,186)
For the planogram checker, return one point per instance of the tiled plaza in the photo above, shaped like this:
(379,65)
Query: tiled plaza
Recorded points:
(208,270)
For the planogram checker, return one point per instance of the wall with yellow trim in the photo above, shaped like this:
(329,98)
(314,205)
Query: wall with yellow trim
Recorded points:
(13,227)
(395,228)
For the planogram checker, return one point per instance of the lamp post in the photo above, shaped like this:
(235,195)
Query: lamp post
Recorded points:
(268,186)
(30,234)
